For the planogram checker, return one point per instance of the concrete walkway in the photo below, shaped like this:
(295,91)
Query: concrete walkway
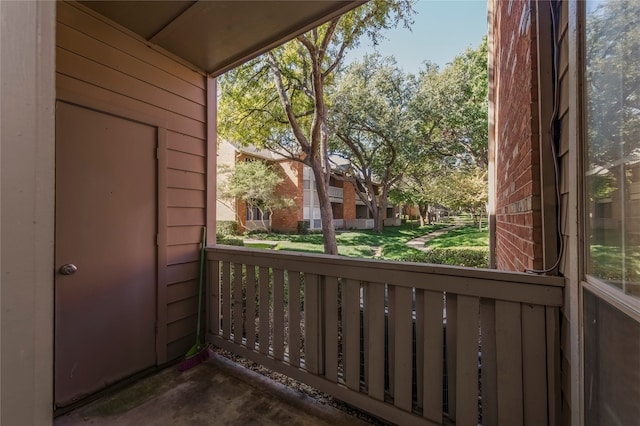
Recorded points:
(216,392)
(418,243)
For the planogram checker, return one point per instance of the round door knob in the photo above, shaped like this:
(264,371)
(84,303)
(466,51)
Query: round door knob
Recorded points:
(68,269)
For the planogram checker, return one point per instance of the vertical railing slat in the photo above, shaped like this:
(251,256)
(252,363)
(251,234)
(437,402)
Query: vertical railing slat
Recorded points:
(467,361)
(351,333)
(403,362)
(390,347)
(451,306)
(294,318)
(553,364)
(331,328)
(263,311)
(250,314)
(214,296)
(376,314)
(534,362)
(432,345)
(237,303)
(226,300)
(419,320)
(489,367)
(311,324)
(364,303)
(278,314)
(509,360)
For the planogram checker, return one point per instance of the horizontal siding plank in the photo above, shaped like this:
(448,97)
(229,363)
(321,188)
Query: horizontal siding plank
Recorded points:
(75,41)
(178,235)
(563,60)
(182,272)
(187,162)
(178,348)
(76,16)
(75,91)
(183,216)
(181,179)
(88,71)
(182,290)
(564,95)
(564,136)
(183,253)
(187,144)
(181,328)
(182,309)
(185,198)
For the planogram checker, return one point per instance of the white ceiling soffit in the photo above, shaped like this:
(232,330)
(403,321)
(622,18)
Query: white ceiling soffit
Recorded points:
(216,36)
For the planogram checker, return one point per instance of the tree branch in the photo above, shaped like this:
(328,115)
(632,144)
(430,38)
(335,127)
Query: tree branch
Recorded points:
(286,102)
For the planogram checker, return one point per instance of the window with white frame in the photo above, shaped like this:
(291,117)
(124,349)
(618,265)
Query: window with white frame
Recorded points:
(612,188)
(613,142)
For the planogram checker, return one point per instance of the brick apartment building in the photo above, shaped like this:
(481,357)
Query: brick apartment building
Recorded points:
(349,212)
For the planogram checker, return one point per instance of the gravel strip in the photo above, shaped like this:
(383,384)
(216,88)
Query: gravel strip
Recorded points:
(320,397)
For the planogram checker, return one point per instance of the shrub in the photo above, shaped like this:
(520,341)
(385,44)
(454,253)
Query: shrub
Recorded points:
(475,257)
(226,228)
(230,241)
(303,227)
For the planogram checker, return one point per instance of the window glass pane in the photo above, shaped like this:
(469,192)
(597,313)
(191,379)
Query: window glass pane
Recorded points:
(612,83)
(611,364)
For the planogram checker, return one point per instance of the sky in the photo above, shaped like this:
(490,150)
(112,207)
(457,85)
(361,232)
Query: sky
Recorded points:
(442,30)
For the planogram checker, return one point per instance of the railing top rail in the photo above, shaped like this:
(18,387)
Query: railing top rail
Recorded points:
(486,283)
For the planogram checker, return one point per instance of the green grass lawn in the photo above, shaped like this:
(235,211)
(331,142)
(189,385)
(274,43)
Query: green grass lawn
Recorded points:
(469,236)
(466,246)
(363,243)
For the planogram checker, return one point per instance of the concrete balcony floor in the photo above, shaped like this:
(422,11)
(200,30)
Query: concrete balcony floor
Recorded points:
(216,392)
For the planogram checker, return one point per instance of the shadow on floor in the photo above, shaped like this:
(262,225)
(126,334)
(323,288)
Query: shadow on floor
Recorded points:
(217,392)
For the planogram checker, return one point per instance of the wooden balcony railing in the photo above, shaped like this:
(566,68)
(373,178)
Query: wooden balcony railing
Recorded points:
(409,343)
(336,194)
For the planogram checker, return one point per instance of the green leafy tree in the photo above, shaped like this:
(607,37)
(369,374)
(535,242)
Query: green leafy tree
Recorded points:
(450,107)
(465,190)
(256,183)
(371,127)
(450,111)
(281,100)
(417,185)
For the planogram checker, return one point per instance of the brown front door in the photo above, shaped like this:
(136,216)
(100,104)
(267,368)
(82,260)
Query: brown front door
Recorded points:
(105,311)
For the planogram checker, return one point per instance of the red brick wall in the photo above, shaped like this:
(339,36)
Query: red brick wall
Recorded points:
(348,201)
(518,216)
(286,220)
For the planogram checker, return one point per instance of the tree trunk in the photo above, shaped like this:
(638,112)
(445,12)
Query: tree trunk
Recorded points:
(423,212)
(326,213)
(378,219)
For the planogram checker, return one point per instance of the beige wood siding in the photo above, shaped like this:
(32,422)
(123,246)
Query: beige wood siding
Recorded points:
(567,181)
(103,66)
